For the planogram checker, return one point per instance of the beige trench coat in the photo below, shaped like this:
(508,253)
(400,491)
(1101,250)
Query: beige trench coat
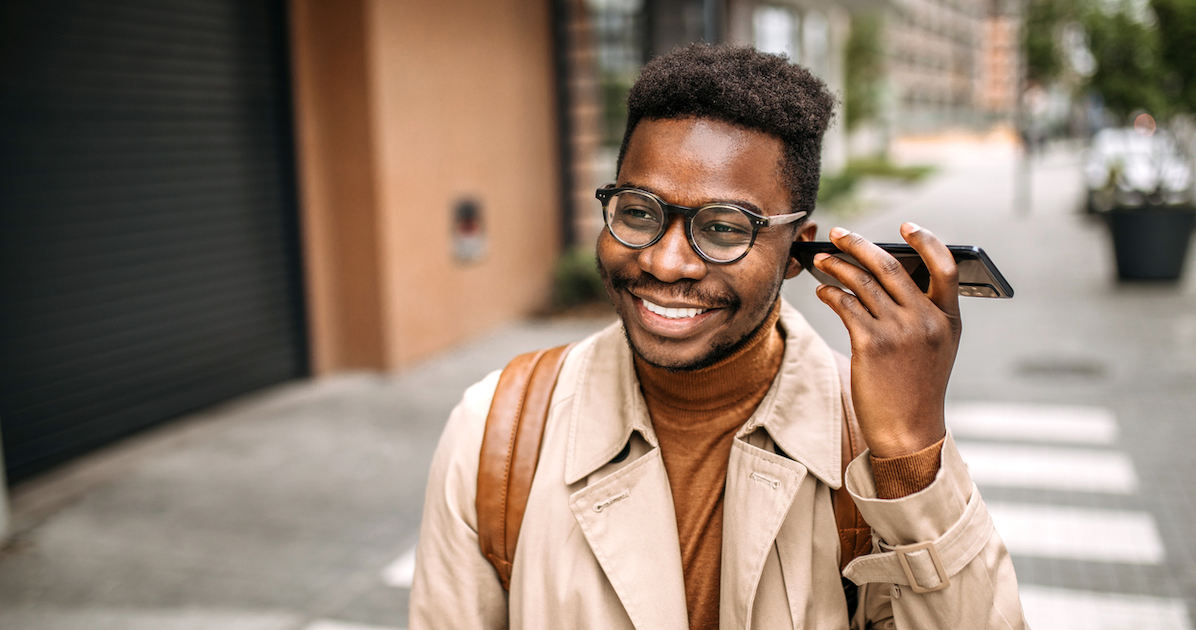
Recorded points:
(599,545)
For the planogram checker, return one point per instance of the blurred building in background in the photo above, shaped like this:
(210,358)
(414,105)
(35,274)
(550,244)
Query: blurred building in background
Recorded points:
(428,172)
(149,258)
(199,199)
(1000,68)
(950,62)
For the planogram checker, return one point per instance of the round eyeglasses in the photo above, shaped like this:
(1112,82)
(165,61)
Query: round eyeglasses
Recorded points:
(719,232)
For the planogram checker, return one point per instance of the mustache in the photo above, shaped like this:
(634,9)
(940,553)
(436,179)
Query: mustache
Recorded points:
(684,290)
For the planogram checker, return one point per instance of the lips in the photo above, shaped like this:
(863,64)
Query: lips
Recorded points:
(674,322)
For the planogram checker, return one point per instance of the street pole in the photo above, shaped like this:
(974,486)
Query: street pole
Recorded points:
(710,17)
(1021,185)
(1021,173)
(5,514)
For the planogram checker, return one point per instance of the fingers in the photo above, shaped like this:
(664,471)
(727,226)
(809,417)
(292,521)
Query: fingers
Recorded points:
(867,291)
(944,274)
(880,283)
(845,305)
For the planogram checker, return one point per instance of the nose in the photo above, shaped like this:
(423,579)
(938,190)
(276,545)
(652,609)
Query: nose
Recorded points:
(671,258)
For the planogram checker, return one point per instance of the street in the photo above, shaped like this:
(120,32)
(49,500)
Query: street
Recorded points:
(296,508)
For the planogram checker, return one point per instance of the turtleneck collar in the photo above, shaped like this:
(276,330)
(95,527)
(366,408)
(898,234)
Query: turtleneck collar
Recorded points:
(747,372)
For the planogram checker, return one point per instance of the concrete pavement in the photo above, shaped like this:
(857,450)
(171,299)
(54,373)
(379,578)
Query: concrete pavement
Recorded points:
(279,511)
(295,508)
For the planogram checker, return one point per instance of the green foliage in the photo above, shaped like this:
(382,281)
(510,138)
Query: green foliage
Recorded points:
(576,279)
(1130,73)
(865,69)
(881,167)
(1145,55)
(834,188)
(613,89)
(837,188)
(1176,21)
(1044,60)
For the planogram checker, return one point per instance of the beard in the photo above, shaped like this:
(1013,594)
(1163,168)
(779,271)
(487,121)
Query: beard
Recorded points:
(684,291)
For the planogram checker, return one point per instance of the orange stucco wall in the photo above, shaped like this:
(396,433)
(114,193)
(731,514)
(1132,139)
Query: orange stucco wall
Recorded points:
(338,198)
(458,99)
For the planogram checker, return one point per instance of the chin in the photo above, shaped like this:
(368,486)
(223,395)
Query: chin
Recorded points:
(680,360)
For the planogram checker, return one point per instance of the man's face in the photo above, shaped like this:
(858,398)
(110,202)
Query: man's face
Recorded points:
(692,162)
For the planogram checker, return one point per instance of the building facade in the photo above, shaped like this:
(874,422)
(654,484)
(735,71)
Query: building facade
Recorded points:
(429,172)
(199,199)
(935,50)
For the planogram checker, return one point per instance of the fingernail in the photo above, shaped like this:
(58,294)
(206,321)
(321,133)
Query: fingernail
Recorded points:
(821,256)
(839,232)
(910,228)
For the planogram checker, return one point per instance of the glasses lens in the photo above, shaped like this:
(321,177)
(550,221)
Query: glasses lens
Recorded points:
(722,233)
(634,218)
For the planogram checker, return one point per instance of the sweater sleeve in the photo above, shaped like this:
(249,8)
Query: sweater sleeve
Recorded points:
(898,477)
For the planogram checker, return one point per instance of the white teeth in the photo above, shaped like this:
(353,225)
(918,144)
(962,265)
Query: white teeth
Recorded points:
(673,313)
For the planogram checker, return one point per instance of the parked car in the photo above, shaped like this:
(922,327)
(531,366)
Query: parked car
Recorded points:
(1127,169)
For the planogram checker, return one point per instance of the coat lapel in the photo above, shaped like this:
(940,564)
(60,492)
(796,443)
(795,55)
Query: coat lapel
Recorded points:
(627,515)
(627,518)
(760,491)
(607,407)
(803,412)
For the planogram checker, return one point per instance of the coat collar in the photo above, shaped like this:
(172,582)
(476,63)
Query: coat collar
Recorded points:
(802,412)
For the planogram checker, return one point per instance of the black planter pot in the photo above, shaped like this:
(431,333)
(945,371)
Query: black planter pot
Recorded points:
(1151,243)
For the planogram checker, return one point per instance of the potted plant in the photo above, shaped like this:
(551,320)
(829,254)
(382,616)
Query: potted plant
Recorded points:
(1146,194)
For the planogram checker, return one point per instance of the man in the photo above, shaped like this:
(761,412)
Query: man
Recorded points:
(690,454)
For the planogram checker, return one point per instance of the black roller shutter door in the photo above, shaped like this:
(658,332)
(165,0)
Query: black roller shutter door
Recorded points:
(148,242)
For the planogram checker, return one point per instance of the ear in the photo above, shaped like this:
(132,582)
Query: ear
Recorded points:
(805,232)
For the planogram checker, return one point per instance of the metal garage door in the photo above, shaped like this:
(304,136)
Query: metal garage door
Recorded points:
(148,241)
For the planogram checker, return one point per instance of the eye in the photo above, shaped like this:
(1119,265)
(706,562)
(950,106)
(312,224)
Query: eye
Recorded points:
(723,228)
(637,212)
(718,228)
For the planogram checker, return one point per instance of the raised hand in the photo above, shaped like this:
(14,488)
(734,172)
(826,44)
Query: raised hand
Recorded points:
(903,341)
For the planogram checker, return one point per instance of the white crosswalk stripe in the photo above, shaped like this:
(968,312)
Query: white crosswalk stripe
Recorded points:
(401,572)
(1072,533)
(1049,468)
(1062,609)
(331,624)
(1033,423)
(1050,448)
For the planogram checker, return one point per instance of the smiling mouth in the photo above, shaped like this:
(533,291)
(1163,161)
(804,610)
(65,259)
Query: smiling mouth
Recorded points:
(673,313)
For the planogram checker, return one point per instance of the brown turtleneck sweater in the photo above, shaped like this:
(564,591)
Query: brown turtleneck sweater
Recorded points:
(695,416)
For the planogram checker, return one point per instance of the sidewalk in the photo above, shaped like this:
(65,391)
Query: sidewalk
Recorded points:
(278,511)
(295,508)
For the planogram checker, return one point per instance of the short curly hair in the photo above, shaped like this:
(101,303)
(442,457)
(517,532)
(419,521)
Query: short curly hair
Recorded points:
(744,87)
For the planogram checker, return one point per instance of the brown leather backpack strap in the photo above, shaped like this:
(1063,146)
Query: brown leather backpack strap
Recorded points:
(855,535)
(511,451)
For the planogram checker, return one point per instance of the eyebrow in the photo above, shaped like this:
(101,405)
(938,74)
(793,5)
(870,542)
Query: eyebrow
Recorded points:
(747,205)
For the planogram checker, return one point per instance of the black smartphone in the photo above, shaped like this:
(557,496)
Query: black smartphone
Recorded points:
(978,276)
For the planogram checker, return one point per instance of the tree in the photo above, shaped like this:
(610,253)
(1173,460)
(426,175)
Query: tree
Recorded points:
(1044,61)
(1176,21)
(1130,73)
(865,69)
